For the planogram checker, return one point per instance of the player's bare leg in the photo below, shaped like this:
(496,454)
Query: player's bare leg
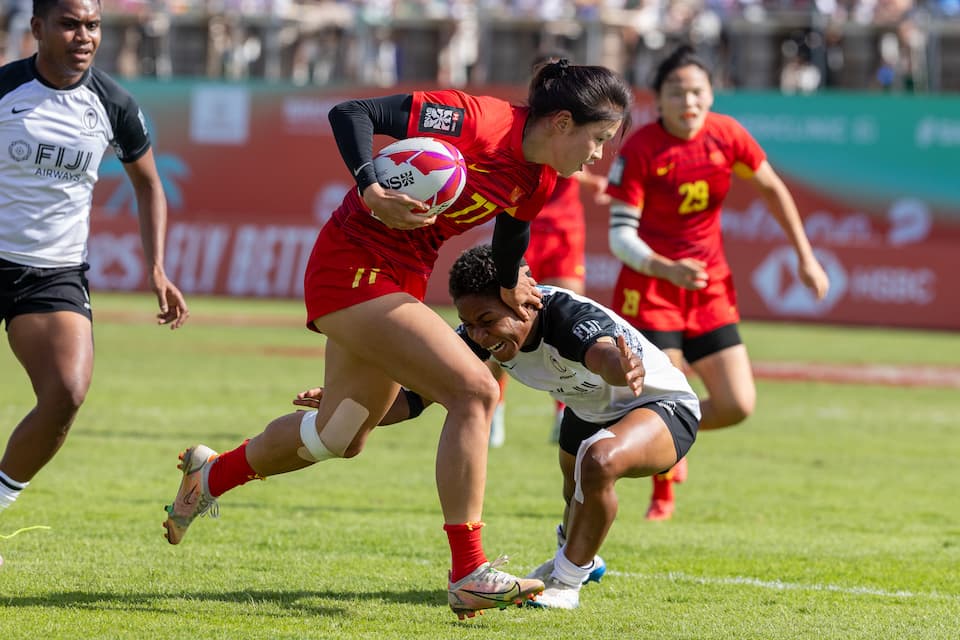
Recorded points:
(637,446)
(419,350)
(371,347)
(56,350)
(731,392)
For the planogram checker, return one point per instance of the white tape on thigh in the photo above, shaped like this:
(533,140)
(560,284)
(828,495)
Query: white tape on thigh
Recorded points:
(313,449)
(602,434)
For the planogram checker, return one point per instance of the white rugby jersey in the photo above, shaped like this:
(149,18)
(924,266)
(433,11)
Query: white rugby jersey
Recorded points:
(51,144)
(567,326)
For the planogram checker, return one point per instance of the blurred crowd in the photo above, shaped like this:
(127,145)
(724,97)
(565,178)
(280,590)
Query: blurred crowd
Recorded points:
(330,41)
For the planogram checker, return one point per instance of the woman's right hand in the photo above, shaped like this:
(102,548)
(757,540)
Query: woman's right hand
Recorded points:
(688,273)
(309,398)
(395,209)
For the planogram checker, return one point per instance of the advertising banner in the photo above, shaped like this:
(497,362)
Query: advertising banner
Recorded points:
(252,172)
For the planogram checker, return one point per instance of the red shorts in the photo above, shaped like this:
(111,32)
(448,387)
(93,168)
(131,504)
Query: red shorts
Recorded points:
(656,304)
(557,253)
(341,274)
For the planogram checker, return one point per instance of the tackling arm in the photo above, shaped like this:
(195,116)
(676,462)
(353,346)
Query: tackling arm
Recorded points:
(616,363)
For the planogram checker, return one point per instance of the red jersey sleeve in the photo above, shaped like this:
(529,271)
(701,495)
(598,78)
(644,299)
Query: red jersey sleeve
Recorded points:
(747,152)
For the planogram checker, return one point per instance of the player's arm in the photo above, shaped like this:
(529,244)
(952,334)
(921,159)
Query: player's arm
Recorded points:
(627,245)
(354,123)
(152,213)
(510,240)
(616,363)
(784,209)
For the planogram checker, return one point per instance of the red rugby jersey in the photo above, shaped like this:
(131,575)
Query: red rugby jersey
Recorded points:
(489,133)
(679,185)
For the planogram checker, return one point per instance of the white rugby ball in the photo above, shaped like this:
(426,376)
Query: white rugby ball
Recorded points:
(430,170)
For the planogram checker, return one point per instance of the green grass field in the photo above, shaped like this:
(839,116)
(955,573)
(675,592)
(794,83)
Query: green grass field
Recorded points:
(834,512)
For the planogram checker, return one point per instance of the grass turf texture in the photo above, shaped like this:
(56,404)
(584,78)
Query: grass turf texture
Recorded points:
(834,512)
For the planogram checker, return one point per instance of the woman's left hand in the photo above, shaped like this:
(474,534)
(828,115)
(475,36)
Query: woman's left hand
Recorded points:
(523,295)
(813,276)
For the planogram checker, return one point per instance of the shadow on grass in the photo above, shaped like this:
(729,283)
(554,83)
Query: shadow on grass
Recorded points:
(296,602)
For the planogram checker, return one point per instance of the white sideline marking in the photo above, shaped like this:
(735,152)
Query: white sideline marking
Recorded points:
(779,585)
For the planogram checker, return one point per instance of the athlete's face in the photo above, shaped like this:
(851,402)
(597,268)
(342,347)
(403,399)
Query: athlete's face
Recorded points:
(577,145)
(685,99)
(67,39)
(493,325)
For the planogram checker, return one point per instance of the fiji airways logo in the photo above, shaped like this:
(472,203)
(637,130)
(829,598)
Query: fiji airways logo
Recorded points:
(52,161)
(777,283)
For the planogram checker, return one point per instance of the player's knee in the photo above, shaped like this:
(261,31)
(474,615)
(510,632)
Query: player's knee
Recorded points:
(733,413)
(341,436)
(62,401)
(475,390)
(740,408)
(598,468)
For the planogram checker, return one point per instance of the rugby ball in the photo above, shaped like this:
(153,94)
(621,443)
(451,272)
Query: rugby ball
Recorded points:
(430,170)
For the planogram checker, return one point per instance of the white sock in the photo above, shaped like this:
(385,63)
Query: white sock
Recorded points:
(567,572)
(9,490)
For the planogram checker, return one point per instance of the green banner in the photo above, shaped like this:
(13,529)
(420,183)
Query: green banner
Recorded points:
(860,147)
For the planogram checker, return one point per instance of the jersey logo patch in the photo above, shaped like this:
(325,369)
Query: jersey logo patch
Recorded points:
(615,176)
(586,329)
(15,111)
(440,118)
(90,119)
(19,150)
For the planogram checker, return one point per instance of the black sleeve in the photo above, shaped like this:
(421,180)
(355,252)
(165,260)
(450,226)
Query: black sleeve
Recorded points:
(510,240)
(130,137)
(573,326)
(354,124)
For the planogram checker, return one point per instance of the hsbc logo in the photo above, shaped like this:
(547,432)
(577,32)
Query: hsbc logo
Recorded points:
(782,291)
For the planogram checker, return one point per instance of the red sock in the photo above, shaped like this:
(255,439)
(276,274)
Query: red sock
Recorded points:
(230,470)
(662,488)
(466,549)
(502,381)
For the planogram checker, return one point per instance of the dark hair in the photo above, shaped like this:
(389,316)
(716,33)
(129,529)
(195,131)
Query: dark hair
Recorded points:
(42,7)
(547,56)
(682,56)
(475,273)
(589,93)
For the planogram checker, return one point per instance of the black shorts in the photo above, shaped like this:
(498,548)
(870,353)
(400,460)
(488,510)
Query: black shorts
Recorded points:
(680,421)
(699,347)
(26,289)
